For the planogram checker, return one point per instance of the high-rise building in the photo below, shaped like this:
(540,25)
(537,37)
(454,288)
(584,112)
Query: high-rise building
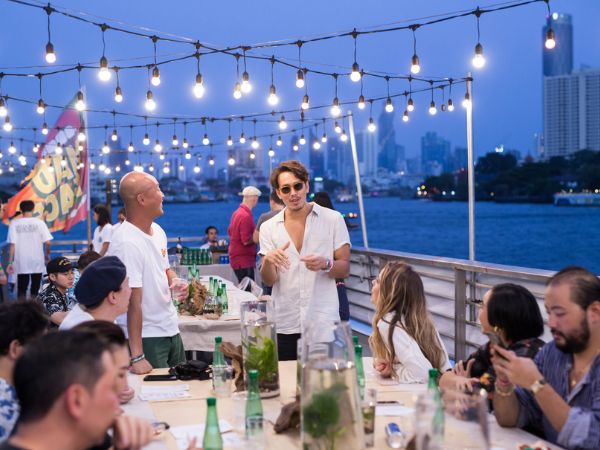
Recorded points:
(435,154)
(366,148)
(386,138)
(316,156)
(559,60)
(571,113)
(117,155)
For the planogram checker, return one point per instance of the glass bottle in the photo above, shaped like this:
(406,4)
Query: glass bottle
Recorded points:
(212,434)
(360,371)
(223,299)
(254,410)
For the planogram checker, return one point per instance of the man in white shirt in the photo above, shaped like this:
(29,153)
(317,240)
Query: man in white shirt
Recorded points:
(141,244)
(102,293)
(305,248)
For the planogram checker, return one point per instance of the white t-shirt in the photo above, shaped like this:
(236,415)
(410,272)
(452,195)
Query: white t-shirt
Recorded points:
(145,258)
(300,293)
(28,234)
(412,366)
(74,318)
(102,235)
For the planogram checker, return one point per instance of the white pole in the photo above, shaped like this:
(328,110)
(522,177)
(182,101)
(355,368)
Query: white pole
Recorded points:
(471,171)
(363,218)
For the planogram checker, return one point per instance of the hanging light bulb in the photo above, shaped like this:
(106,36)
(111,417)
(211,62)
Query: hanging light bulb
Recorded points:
(12,149)
(337,128)
(127,162)
(198,88)
(335,108)
(185,143)
(80,103)
(146,140)
(161,156)
(114,136)
(237,91)
(23,159)
(271,152)
(12,169)
(50,55)
(92,166)
(415,66)
(550,42)
(246,86)
(118,94)
(81,135)
(80,147)
(36,147)
(466,103)
(255,144)
(166,168)
(151,167)
(305,102)
(279,142)
(181,167)
(155,80)
(478,60)
(205,140)
(410,105)
(432,108)
(371,127)
(150,103)
(282,123)
(211,161)
(316,144)
(44,128)
(389,106)
(3,108)
(41,107)
(118,168)
(299,79)
(231,161)
(405,116)
(302,140)
(104,74)
(229,141)
(361,102)
(174,141)
(295,147)
(105,148)
(157,146)
(324,138)
(450,105)
(343,136)
(131,148)
(242,138)
(7,124)
(273,99)
(196,168)
(355,75)
(188,155)
(252,155)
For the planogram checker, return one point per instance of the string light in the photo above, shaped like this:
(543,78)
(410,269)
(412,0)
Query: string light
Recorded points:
(410,105)
(196,168)
(181,167)
(389,106)
(302,140)
(478,60)
(271,152)
(343,136)
(150,103)
(105,148)
(151,167)
(114,135)
(273,99)
(231,161)
(405,116)
(118,90)
(361,99)
(166,168)
(161,156)
(356,74)
(185,143)
(155,71)
(157,145)
(550,41)
(335,108)
(80,103)
(450,102)
(50,54)
(300,72)
(205,140)
(466,103)
(252,155)
(237,89)
(242,136)
(188,155)
(316,144)
(282,123)
(174,141)
(211,161)
(279,141)
(415,66)
(3,108)
(41,106)
(7,124)
(432,107)
(337,128)
(44,128)
(371,127)
(295,147)
(255,143)
(104,74)
(198,88)
(305,102)
(246,85)
(12,149)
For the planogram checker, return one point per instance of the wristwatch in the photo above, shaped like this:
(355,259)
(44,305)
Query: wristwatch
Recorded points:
(328,266)
(538,385)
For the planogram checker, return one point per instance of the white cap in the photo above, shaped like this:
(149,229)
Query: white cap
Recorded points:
(249,191)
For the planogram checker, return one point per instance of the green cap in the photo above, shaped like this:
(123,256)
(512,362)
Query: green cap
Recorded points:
(211,401)
(433,373)
(218,339)
(355,339)
(253,374)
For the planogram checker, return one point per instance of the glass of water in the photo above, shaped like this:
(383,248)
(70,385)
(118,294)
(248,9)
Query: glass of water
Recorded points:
(222,376)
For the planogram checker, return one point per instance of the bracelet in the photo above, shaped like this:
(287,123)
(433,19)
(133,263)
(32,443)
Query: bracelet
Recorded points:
(506,393)
(138,358)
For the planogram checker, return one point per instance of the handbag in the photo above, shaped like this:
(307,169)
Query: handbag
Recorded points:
(191,370)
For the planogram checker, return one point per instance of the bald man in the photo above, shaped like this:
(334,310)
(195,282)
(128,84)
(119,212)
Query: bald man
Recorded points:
(151,321)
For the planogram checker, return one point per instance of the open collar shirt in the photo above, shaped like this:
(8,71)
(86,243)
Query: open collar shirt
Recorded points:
(581,431)
(301,295)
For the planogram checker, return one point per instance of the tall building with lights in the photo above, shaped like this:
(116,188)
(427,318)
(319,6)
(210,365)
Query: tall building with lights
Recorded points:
(435,154)
(316,156)
(386,138)
(559,60)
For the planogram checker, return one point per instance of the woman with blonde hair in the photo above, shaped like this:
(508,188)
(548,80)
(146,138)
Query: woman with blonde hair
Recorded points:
(404,342)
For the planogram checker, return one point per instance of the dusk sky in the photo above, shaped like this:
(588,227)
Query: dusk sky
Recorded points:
(507,91)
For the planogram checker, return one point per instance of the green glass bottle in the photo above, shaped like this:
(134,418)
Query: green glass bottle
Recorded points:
(360,370)
(218,358)
(438,424)
(223,299)
(210,286)
(254,410)
(355,339)
(212,434)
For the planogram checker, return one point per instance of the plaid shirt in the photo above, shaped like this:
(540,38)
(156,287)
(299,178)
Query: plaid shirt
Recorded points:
(54,300)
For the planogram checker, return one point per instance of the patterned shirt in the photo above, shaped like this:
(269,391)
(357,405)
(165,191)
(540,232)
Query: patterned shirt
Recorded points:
(9,409)
(581,431)
(53,300)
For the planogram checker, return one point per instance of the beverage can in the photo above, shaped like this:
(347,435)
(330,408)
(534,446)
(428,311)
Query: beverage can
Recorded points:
(394,437)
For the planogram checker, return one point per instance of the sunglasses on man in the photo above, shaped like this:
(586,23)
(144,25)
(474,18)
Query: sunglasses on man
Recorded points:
(296,186)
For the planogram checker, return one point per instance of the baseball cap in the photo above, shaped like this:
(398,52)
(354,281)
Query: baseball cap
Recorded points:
(250,190)
(59,265)
(100,278)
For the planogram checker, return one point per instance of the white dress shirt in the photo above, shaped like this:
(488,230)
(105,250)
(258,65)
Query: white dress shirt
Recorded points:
(301,295)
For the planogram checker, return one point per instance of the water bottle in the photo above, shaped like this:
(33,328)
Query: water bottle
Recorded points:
(360,371)
(223,299)
(212,434)
(254,410)
(429,410)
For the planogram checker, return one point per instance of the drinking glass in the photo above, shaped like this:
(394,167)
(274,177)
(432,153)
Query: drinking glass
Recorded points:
(176,286)
(466,420)
(368,409)
(222,376)
(239,407)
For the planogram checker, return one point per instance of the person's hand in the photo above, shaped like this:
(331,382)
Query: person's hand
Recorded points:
(126,395)
(3,278)
(10,269)
(517,370)
(131,433)
(383,367)
(314,262)
(180,286)
(192,444)
(462,371)
(141,367)
(278,257)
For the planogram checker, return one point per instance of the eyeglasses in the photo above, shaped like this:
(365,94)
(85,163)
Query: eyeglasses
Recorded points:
(296,186)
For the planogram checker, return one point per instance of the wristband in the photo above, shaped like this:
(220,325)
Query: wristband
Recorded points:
(137,359)
(328,266)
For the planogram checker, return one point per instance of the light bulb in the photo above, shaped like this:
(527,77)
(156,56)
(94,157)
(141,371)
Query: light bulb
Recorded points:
(198,88)
(432,108)
(255,144)
(3,108)
(150,103)
(246,86)
(361,102)
(229,141)
(282,123)
(410,106)
(12,169)
(271,152)
(231,161)
(279,142)
(205,140)
(127,162)
(105,148)
(273,99)
(102,167)
(114,136)
(324,138)
(44,128)
(478,60)
(242,138)
(104,74)
(389,106)
(335,108)
(185,143)
(166,169)
(355,75)
(131,148)
(405,116)
(300,79)
(337,128)
(157,146)
(550,39)
(175,141)
(50,55)
(302,140)
(316,144)
(196,168)
(12,149)
(305,102)
(237,91)
(118,169)
(81,135)
(155,76)
(295,147)
(415,66)
(181,167)
(466,103)
(80,147)
(252,155)
(371,127)
(211,161)
(92,165)
(188,155)
(161,156)
(107,171)
(344,136)
(118,94)
(151,167)
(7,125)
(36,148)
(450,105)
(146,140)
(80,103)
(41,106)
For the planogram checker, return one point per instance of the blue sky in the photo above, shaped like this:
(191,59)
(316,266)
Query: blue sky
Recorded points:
(508,91)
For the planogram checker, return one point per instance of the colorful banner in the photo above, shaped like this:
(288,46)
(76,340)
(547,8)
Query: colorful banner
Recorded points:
(58,183)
